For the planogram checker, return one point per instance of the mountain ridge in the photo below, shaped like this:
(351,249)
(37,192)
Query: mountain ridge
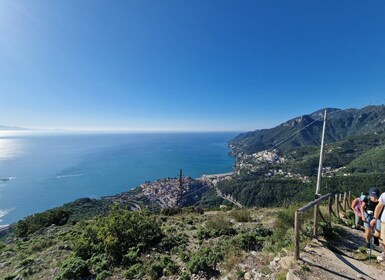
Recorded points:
(306,130)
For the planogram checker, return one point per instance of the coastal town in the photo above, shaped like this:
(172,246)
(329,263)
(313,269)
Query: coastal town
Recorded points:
(268,162)
(170,192)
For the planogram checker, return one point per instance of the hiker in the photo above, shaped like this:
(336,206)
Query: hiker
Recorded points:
(369,203)
(378,215)
(356,207)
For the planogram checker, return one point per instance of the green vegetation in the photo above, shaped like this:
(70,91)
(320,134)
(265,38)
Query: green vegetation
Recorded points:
(120,236)
(139,245)
(35,222)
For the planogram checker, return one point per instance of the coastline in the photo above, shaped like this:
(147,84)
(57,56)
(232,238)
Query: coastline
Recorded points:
(113,164)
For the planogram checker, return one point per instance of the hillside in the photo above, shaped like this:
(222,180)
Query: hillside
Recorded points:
(186,244)
(123,244)
(340,124)
(284,159)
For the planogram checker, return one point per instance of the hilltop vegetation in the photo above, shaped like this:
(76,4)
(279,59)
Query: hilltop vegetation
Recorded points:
(128,244)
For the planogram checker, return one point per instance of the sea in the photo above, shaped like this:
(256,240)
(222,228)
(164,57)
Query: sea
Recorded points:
(43,170)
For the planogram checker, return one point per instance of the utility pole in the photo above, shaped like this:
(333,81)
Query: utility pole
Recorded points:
(317,192)
(180,179)
(179,198)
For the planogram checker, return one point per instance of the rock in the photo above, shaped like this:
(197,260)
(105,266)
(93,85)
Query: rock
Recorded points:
(7,254)
(286,262)
(2,265)
(247,276)
(291,275)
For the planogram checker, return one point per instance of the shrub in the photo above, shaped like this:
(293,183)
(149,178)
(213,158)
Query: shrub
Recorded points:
(103,275)
(98,263)
(35,222)
(250,241)
(219,225)
(169,242)
(204,260)
(131,258)
(350,216)
(260,230)
(118,233)
(170,267)
(155,271)
(241,215)
(73,268)
(170,211)
(184,276)
(282,235)
(2,246)
(134,272)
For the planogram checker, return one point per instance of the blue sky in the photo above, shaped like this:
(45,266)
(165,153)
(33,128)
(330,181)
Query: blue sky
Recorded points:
(186,65)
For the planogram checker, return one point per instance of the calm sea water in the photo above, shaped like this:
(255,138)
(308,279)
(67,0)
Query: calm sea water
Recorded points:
(50,170)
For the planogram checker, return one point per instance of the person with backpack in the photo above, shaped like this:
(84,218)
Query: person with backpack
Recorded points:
(379,216)
(368,206)
(356,207)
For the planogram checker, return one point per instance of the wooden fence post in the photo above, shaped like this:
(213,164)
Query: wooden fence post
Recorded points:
(315,225)
(337,206)
(297,226)
(349,199)
(344,202)
(330,207)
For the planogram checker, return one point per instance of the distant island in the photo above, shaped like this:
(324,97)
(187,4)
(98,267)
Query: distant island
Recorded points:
(3,127)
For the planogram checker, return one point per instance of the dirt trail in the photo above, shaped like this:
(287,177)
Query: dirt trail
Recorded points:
(320,260)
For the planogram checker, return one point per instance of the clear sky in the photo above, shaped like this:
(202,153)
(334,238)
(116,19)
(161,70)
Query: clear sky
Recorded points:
(186,65)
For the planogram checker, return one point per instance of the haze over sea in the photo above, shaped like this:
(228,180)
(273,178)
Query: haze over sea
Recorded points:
(50,169)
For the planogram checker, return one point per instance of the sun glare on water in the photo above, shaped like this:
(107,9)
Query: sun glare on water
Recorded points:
(9,147)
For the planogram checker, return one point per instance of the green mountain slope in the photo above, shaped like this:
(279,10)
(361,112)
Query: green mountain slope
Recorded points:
(340,124)
(370,161)
(279,166)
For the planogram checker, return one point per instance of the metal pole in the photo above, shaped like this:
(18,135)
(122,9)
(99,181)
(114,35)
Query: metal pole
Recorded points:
(321,157)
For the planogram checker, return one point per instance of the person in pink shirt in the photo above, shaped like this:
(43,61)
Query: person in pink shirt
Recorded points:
(356,207)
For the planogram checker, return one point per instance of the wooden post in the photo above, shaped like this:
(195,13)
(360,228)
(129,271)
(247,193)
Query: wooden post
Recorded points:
(349,199)
(330,206)
(297,226)
(337,206)
(344,202)
(315,225)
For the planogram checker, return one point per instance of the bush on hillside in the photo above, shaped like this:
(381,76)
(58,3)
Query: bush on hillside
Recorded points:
(38,221)
(73,268)
(122,232)
(204,260)
(241,215)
